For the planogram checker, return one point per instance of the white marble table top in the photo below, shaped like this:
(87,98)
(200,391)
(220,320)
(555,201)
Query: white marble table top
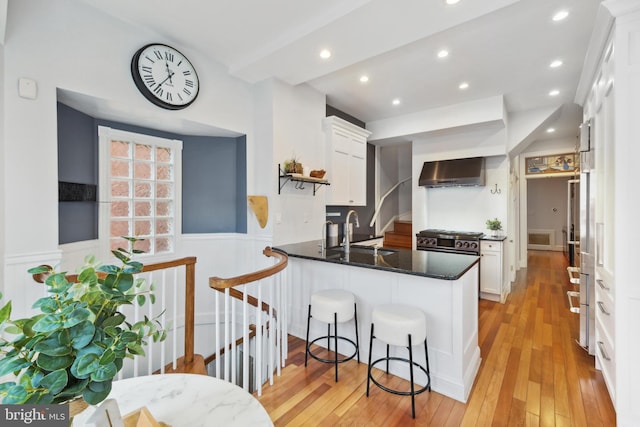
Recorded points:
(190,400)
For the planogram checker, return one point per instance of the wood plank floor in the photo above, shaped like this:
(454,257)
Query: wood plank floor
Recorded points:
(532,374)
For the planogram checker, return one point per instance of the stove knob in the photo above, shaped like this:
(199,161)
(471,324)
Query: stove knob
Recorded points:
(432,242)
(458,244)
(466,244)
(474,245)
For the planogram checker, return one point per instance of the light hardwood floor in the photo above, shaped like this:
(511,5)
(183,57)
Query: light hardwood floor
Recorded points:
(532,374)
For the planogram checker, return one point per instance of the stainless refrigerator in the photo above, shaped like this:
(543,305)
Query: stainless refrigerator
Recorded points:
(587,232)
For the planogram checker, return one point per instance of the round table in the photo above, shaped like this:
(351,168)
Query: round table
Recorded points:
(189,400)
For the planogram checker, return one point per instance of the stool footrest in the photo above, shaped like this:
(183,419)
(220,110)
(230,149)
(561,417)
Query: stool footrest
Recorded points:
(333,360)
(400,392)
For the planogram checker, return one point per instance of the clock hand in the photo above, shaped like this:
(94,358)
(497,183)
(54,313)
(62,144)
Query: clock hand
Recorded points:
(168,72)
(168,78)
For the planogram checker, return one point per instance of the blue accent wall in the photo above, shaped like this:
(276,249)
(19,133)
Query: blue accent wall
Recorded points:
(214,186)
(214,197)
(77,163)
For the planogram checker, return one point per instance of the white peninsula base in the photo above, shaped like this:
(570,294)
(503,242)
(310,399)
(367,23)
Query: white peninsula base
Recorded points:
(451,307)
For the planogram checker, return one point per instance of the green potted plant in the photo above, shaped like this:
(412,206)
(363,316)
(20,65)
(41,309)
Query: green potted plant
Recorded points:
(292,165)
(76,344)
(494,225)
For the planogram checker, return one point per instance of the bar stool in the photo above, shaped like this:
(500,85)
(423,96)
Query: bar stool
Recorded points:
(333,306)
(402,326)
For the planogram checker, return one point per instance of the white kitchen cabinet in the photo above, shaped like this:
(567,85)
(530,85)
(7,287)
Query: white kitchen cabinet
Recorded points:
(491,270)
(346,162)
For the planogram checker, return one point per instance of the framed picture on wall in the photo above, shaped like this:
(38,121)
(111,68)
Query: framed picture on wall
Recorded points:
(554,164)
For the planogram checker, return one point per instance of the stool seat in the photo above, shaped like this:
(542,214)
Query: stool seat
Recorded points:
(394,322)
(326,304)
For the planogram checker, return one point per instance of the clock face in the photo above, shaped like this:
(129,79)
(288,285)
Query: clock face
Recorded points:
(164,76)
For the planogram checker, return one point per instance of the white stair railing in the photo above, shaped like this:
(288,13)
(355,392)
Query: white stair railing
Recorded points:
(250,318)
(382,199)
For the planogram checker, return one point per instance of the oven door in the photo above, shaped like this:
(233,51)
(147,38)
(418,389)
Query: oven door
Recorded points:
(448,250)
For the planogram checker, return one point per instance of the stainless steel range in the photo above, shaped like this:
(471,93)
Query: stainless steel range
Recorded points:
(459,242)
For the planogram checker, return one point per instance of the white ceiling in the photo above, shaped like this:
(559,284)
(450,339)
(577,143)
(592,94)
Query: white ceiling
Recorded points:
(500,47)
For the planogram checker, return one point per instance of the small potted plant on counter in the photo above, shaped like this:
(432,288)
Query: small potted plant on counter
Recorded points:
(495,226)
(74,347)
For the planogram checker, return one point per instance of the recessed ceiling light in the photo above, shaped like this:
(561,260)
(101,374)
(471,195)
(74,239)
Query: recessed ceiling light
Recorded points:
(560,15)
(396,101)
(364,79)
(555,64)
(554,92)
(325,54)
(443,53)
(452,1)
(463,85)
(551,130)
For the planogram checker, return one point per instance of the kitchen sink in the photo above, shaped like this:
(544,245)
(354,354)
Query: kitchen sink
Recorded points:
(339,251)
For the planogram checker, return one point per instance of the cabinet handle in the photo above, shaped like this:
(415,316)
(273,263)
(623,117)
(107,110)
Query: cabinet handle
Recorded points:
(601,284)
(604,354)
(603,309)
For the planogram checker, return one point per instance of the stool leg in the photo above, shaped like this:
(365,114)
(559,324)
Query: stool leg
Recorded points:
(369,366)
(426,356)
(335,329)
(413,395)
(328,336)
(306,352)
(355,316)
(387,359)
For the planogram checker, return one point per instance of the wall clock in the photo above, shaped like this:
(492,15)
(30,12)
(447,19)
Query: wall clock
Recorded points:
(164,76)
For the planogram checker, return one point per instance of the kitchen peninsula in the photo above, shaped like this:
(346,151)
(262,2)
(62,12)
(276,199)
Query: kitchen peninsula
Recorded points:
(443,285)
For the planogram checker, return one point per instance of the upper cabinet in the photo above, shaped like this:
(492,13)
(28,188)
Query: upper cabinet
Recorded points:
(346,162)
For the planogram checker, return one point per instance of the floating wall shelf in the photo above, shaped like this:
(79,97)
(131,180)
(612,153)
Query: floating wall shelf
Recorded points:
(299,180)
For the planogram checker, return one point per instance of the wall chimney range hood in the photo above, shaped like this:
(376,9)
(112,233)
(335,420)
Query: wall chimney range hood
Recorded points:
(453,173)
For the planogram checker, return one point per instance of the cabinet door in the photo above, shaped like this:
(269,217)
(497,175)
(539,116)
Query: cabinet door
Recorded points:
(340,176)
(490,272)
(357,185)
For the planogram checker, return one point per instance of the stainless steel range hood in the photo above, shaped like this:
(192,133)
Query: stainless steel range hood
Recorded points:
(453,173)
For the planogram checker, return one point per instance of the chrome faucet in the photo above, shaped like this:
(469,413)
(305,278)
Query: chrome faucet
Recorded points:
(323,240)
(347,238)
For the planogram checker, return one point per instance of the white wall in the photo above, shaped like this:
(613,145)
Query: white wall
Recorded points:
(547,207)
(297,131)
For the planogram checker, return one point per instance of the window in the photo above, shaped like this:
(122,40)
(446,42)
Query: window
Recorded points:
(139,181)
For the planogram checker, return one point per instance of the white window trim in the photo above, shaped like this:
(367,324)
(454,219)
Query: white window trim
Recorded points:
(105,135)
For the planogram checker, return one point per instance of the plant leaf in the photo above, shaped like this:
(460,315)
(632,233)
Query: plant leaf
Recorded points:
(16,394)
(141,299)
(53,363)
(95,397)
(5,312)
(82,334)
(114,320)
(124,282)
(48,323)
(52,346)
(55,381)
(12,364)
(39,269)
(104,372)
(85,365)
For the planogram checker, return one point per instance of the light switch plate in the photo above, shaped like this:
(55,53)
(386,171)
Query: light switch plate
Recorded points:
(27,88)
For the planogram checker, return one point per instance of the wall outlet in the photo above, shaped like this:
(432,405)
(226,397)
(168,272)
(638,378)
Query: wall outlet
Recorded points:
(278,218)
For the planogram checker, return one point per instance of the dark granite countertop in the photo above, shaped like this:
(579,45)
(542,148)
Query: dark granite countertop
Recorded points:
(437,265)
(493,238)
